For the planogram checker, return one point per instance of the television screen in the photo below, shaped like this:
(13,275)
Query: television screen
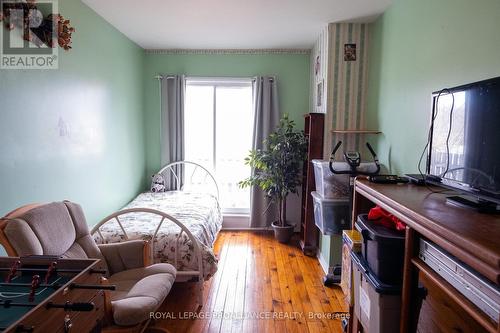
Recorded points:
(465,140)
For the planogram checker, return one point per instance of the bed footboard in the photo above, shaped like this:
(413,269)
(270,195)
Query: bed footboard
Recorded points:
(182,275)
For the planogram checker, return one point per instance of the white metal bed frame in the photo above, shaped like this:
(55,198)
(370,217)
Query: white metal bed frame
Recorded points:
(169,169)
(181,275)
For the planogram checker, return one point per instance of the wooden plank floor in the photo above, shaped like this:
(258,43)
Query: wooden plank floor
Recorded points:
(260,286)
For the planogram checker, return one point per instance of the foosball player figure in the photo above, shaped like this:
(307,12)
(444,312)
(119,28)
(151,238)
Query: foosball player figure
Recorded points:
(13,271)
(35,283)
(50,272)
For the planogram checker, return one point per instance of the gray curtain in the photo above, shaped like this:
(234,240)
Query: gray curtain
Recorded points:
(172,126)
(266,118)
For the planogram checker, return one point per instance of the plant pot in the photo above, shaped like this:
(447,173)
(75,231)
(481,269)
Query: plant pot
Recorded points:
(282,234)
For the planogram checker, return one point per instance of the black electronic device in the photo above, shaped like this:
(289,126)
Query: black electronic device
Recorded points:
(464,139)
(415,178)
(420,179)
(387,179)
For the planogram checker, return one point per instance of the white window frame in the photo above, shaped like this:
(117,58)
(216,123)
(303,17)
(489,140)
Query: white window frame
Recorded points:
(230,214)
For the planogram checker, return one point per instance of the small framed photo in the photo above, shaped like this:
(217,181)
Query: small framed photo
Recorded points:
(319,93)
(349,52)
(317,66)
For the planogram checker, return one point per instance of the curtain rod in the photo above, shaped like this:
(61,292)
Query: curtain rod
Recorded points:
(159,77)
(168,77)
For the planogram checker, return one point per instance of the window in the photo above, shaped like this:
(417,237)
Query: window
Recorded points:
(218,134)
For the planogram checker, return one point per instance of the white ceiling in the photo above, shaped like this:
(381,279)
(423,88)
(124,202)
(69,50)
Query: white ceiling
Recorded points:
(230,24)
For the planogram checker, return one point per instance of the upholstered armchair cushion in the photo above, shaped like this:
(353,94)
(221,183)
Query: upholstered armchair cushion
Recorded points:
(123,256)
(22,238)
(139,292)
(57,228)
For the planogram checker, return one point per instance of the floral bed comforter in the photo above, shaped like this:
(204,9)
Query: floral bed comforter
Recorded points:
(199,212)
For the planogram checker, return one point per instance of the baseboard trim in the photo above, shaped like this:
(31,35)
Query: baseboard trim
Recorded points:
(245,229)
(235,221)
(322,262)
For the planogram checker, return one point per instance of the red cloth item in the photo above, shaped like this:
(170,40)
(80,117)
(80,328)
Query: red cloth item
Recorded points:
(382,217)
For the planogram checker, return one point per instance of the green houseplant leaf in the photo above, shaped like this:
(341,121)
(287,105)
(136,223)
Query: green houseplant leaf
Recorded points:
(277,169)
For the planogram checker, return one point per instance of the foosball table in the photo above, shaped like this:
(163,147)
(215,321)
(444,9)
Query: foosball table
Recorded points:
(48,294)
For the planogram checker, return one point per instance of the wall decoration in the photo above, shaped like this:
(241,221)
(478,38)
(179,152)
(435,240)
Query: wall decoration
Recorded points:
(317,65)
(349,52)
(64,31)
(51,30)
(319,93)
(318,73)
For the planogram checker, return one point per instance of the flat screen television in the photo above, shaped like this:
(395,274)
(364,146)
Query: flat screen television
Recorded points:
(464,147)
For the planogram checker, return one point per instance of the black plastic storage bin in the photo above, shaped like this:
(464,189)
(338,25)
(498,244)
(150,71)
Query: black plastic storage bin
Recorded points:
(383,249)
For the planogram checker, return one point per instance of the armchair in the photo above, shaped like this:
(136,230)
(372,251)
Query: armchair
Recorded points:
(60,229)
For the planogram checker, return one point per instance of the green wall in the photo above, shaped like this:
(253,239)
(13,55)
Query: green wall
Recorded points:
(77,132)
(419,47)
(292,71)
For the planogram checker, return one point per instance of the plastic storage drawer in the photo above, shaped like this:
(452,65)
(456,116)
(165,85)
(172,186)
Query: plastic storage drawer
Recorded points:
(383,249)
(331,215)
(329,185)
(376,305)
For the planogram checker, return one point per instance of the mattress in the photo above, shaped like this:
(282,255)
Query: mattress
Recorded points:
(199,212)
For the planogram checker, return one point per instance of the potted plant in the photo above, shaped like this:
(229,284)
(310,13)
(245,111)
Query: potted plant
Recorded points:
(277,171)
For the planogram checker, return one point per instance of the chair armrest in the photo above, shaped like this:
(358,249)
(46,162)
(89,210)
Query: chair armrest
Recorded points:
(126,255)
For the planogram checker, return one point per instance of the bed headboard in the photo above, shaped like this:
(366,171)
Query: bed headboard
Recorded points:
(189,176)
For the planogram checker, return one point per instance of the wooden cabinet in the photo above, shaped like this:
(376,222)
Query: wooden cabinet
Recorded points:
(314,127)
(467,235)
(442,308)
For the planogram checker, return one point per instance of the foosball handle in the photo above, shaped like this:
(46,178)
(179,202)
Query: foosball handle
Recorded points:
(98,271)
(82,307)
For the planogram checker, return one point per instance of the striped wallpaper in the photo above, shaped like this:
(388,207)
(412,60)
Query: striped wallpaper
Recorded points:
(344,85)
(346,88)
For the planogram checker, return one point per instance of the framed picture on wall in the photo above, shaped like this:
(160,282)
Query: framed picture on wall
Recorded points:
(349,52)
(317,65)
(319,93)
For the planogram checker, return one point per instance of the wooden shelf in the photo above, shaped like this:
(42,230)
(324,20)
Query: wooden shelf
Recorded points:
(463,304)
(449,227)
(356,131)
(314,127)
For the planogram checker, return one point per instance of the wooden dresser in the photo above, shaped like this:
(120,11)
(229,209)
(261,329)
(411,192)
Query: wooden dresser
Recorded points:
(472,237)
(313,130)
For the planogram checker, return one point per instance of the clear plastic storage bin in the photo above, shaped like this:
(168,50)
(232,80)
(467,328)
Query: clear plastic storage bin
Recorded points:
(331,215)
(329,185)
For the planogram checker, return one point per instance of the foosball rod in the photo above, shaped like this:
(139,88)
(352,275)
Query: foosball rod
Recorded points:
(57,270)
(68,306)
(24,285)
(57,286)
(19,328)
(8,304)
